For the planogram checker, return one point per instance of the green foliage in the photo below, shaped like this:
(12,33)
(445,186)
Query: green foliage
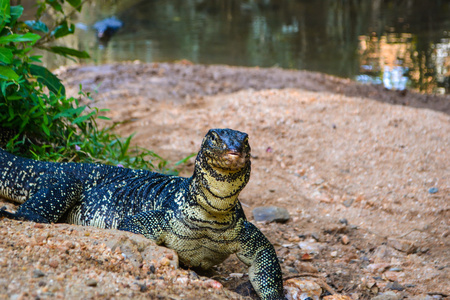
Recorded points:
(46,124)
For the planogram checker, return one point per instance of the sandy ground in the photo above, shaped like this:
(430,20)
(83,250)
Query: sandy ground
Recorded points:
(353,164)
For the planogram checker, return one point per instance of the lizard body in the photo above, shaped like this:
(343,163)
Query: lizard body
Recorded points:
(200,217)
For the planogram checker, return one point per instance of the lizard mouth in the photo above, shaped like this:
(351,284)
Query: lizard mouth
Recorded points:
(234,160)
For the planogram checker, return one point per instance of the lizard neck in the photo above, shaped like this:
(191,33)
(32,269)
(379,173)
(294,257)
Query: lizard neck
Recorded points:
(217,190)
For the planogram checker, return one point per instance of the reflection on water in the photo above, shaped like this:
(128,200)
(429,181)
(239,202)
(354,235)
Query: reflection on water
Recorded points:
(400,44)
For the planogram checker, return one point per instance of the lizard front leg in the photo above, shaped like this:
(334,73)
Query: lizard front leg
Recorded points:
(264,272)
(152,224)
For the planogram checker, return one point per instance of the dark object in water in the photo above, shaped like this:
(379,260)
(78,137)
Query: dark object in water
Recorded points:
(106,28)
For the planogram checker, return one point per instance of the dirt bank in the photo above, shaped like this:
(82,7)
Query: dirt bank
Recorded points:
(353,164)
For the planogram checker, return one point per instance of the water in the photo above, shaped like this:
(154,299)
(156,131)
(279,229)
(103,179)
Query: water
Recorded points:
(400,44)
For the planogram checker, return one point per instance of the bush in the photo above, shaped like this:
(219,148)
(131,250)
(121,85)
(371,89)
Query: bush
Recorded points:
(37,119)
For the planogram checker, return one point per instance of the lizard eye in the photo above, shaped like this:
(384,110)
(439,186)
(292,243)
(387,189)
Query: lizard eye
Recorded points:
(214,139)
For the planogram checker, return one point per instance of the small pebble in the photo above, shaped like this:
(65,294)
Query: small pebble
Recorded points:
(270,214)
(165,261)
(193,275)
(348,202)
(343,221)
(91,282)
(391,276)
(315,236)
(377,267)
(152,269)
(387,296)
(402,245)
(395,269)
(337,297)
(345,240)
(433,190)
(38,273)
(53,263)
(237,275)
(311,246)
(184,280)
(296,289)
(395,286)
(213,284)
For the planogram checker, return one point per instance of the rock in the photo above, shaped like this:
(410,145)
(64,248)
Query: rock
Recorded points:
(311,246)
(391,276)
(377,268)
(387,296)
(337,297)
(433,190)
(38,273)
(270,214)
(343,221)
(307,256)
(345,240)
(348,202)
(53,263)
(315,236)
(296,289)
(305,267)
(137,249)
(213,284)
(395,269)
(384,253)
(92,282)
(395,286)
(402,245)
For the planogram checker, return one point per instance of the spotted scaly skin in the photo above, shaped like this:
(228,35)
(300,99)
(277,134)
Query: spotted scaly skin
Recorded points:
(200,217)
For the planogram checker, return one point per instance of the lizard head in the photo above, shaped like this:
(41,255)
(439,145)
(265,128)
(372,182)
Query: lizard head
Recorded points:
(226,149)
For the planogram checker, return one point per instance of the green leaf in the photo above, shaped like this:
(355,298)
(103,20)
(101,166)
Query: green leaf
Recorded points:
(70,112)
(5,13)
(8,73)
(27,37)
(63,30)
(64,51)
(25,121)
(6,55)
(16,12)
(11,113)
(54,3)
(47,78)
(37,25)
(36,58)
(75,4)
(80,119)
(45,129)
(12,98)
(103,118)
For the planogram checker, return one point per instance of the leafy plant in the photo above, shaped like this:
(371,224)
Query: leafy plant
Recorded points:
(35,114)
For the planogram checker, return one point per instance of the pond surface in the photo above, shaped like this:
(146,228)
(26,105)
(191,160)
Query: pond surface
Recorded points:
(401,44)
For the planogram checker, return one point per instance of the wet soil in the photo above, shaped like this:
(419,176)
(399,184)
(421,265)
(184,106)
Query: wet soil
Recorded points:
(353,164)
